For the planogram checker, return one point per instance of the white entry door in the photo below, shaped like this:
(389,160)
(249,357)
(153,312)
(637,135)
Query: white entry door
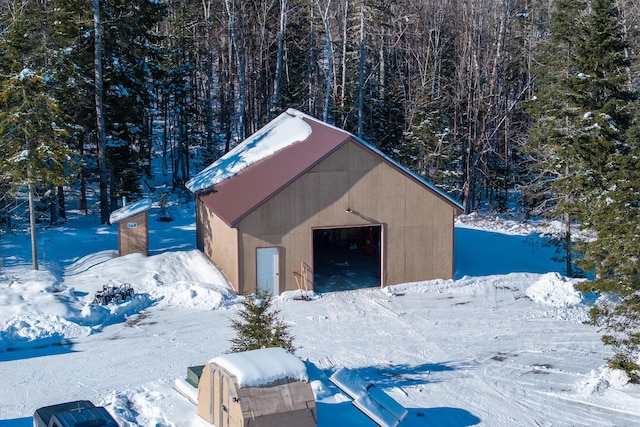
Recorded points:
(268,271)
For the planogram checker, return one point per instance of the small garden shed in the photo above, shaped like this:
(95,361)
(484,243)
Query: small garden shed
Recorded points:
(299,193)
(258,388)
(133,227)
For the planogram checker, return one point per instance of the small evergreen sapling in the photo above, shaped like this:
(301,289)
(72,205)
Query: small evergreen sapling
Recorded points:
(259,325)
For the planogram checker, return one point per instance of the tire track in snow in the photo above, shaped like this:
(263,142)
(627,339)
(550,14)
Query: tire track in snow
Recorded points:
(362,312)
(464,374)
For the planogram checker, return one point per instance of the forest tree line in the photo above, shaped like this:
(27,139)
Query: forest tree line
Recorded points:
(439,85)
(484,98)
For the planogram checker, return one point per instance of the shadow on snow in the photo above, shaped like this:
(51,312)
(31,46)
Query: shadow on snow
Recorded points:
(17,422)
(486,253)
(389,377)
(38,348)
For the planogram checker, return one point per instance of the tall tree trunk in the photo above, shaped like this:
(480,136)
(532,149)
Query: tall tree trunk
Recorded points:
(311,64)
(361,76)
(226,95)
(329,52)
(32,222)
(343,83)
(62,208)
(241,71)
(82,172)
(567,244)
(100,134)
(280,53)
(53,205)
(83,192)
(208,84)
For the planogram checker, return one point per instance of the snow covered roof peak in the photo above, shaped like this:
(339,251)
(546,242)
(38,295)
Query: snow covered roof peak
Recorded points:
(259,367)
(128,211)
(283,131)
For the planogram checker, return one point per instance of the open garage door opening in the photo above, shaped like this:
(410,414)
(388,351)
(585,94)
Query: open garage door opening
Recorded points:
(347,258)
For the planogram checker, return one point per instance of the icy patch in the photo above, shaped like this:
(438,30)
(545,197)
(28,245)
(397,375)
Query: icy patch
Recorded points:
(430,286)
(554,290)
(121,408)
(157,404)
(600,380)
(578,314)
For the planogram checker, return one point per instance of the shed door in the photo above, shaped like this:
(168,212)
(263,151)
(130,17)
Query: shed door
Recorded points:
(268,270)
(225,402)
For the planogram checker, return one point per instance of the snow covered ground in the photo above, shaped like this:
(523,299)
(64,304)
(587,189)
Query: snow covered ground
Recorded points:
(504,344)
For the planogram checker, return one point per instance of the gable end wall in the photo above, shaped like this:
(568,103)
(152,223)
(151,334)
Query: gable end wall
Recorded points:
(417,223)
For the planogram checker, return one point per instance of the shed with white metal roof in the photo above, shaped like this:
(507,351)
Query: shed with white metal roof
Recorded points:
(133,227)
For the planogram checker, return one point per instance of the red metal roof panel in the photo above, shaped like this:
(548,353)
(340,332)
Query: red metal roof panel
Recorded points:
(236,197)
(241,193)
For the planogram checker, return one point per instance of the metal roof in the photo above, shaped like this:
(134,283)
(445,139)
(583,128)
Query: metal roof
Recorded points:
(130,210)
(237,196)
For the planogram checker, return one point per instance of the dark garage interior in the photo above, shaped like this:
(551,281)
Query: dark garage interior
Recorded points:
(346,258)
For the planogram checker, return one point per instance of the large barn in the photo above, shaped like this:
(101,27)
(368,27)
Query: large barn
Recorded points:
(300,200)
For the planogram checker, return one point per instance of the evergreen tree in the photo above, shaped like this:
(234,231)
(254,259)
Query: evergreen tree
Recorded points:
(428,149)
(132,62)
(581,111)
(29,66)
(609,151)
(259,325)
(33,150)
(585,149)
(614,214)
(614,256)
(58,35)
(555,128)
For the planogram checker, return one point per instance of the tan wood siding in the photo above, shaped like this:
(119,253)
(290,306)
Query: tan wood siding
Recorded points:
(134,238)
(222,403)
(219,242)
(418,223)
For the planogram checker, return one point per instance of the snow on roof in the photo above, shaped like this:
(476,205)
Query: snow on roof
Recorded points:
(129,210)
(286,129)
(259,367)
(374,402)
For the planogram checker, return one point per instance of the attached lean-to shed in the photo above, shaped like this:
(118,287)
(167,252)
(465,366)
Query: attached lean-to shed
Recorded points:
(269,211)
(133,227)
(258,388)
